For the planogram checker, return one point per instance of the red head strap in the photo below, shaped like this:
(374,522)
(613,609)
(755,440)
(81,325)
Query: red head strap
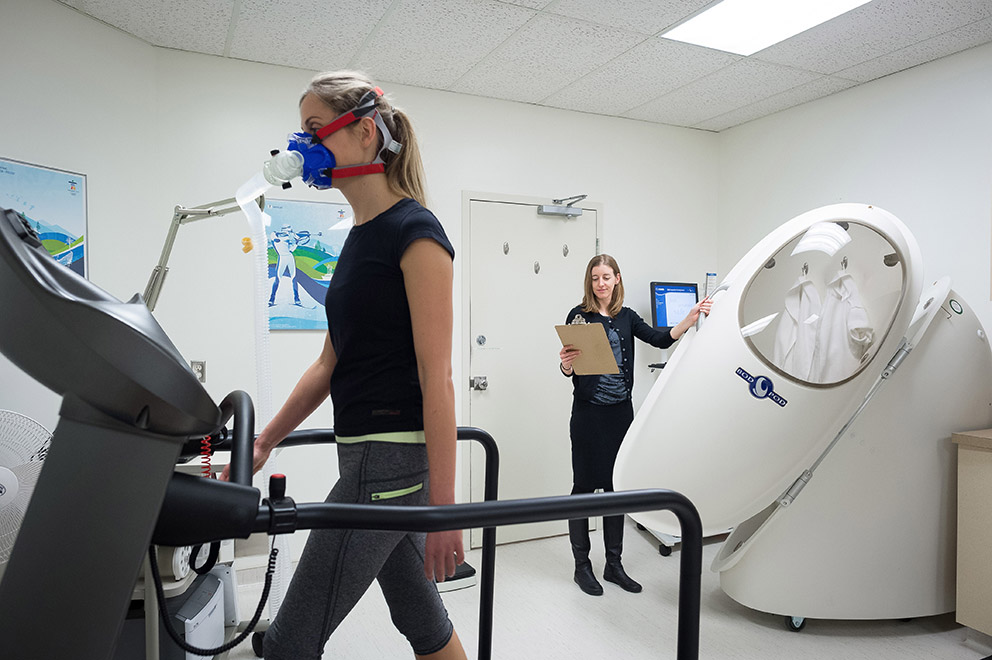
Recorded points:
(365,107)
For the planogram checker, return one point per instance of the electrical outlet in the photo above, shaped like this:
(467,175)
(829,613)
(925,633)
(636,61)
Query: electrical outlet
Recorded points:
(200,369)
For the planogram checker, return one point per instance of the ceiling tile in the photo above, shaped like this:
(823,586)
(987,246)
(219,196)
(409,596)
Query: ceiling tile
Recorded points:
(530,4)
(644,16)
(201,28)
(879,27)
(975,34)
(797,95)
(980,9)
(587,55)
(647,71)
(413,47)
(548,54)
(740,84)
(309,34)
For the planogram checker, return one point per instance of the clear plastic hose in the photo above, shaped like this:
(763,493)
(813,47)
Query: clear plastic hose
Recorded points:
(246,196)
(257,221)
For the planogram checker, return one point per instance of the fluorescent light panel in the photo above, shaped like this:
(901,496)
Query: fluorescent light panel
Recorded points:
(747,26)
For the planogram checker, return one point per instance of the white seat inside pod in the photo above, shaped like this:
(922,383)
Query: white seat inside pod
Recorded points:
(724,424)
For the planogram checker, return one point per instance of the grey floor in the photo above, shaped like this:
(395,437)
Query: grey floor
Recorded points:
(540,613)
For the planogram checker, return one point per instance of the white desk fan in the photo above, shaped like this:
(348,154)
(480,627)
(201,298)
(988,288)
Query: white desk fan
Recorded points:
(23,446)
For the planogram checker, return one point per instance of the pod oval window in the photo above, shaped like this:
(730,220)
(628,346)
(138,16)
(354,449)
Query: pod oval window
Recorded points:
(823,304)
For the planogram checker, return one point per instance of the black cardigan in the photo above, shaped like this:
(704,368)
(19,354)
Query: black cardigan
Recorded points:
(628,325)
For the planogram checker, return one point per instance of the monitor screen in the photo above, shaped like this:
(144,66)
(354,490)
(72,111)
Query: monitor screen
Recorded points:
(671,301)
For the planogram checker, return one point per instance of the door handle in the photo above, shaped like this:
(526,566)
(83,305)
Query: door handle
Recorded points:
(479,383)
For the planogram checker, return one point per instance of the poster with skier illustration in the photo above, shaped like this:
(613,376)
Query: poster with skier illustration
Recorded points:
(304,242)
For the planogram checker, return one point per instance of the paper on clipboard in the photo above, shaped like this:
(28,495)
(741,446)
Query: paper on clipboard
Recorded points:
(590,338)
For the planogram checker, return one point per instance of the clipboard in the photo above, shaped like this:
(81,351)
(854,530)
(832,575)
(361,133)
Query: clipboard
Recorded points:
(590,338)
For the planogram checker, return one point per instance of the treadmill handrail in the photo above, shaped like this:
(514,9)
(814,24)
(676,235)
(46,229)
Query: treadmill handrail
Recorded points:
(492,513)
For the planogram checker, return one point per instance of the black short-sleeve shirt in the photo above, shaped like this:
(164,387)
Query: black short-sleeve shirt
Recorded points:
(375,387)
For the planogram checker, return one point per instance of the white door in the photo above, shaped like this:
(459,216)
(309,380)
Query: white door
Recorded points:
(525,272)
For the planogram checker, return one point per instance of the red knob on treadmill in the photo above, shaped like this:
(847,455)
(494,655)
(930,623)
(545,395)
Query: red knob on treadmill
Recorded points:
(277,486)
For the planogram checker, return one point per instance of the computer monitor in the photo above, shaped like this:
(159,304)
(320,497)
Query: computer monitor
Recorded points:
(671,301)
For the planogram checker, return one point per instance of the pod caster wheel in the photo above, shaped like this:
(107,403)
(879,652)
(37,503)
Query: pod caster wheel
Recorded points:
(256,643)
(795,623)
(641,527)
(664,550)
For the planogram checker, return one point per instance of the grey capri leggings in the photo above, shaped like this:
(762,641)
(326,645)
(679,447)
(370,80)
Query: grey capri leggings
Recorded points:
(338,565)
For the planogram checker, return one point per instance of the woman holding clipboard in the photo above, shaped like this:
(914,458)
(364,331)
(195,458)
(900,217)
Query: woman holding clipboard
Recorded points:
(602,409)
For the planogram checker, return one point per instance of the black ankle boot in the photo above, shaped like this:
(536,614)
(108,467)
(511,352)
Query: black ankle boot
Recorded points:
(614,573)
(613,539)
(586,580)
(578,535)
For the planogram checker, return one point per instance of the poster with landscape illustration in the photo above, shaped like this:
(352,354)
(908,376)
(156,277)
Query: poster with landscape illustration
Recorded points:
(304,242)
(54,204)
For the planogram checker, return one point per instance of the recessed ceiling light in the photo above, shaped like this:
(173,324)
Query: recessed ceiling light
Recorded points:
(747,26)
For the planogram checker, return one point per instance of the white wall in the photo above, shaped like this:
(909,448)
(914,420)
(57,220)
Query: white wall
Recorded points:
(654,182)
(155,128)
(78,96)
(152,128)
(917,144)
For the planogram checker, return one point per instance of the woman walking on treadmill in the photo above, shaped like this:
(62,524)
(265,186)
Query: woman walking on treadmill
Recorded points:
(386,364)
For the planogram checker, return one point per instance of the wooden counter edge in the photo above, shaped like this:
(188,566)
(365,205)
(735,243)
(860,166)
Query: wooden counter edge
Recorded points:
(981,439)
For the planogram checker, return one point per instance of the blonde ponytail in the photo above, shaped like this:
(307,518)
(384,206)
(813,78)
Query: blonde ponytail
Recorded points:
(405,170)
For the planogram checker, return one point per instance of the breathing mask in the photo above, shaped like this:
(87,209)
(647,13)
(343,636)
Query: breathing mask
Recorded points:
(319,165)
